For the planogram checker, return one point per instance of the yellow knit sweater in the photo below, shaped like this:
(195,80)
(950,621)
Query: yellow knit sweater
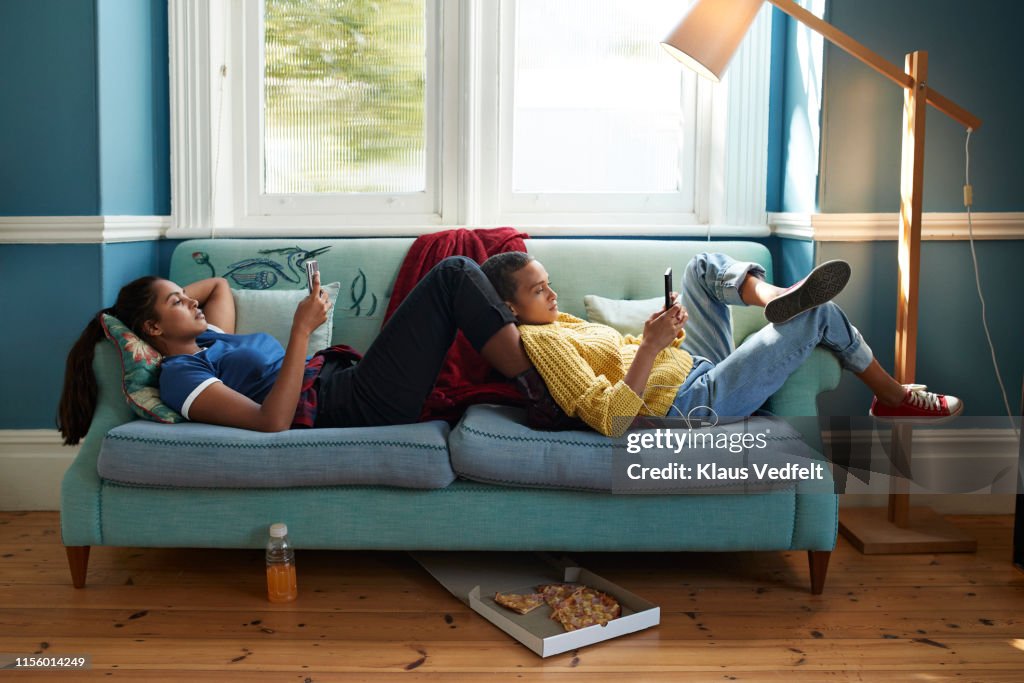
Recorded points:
(584,365)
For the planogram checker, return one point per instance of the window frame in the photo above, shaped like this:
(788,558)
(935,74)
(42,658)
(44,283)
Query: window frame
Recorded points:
(517,208)
(212,126)
(408,206)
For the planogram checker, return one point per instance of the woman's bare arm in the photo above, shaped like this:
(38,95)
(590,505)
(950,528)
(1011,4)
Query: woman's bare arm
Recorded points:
(214,296)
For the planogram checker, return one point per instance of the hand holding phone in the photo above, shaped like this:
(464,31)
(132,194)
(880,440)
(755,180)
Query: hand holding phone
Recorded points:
(668,289)
(312,268)
(311,313)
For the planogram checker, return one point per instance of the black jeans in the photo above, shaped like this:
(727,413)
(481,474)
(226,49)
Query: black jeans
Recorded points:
(395,377)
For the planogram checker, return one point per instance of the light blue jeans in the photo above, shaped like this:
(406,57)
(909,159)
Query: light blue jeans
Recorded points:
(737,382)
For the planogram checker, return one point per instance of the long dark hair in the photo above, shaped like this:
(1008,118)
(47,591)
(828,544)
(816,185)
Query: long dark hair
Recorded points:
(136,304)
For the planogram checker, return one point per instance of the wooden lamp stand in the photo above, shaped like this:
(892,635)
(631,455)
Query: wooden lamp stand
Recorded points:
(902,529)
(705,40)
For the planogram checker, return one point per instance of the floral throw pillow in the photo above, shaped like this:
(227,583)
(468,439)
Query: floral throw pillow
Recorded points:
(140,366)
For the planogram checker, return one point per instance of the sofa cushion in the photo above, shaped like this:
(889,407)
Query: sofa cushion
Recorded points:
(492,444)
(272,311)
(194,455)
(625,316)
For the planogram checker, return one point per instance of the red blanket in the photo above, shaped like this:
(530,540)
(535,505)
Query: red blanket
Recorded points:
(465,377)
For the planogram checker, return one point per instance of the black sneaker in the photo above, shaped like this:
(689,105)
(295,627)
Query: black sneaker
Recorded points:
(821,285)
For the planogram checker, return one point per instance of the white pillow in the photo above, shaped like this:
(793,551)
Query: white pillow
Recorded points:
(272,311)
(627,316)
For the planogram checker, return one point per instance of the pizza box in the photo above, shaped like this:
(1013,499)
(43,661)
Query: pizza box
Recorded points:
(474,578)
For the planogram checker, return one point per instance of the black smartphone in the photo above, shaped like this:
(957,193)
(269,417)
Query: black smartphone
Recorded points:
(312,268)
(668,289)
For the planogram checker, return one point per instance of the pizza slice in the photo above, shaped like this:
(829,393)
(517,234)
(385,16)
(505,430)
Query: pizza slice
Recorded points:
(517,602)
(554,593)
(586,607)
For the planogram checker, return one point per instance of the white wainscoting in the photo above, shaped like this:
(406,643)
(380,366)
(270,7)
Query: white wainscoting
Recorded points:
(993,449)
(32,464)
(868,227)
(81,229)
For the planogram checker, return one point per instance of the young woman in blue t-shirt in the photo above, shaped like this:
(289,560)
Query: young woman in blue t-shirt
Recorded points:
(211,375)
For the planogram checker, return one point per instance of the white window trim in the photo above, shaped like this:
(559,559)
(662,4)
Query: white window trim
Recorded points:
(190,116)
(206,129)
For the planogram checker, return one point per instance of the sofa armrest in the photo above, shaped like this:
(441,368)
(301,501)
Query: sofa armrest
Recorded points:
(80,488)
(798,396)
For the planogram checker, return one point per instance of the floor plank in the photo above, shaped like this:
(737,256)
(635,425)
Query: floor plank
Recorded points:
(242,595)
(461,623)
(636,653)
(299,675)
(159,614)
(162,566)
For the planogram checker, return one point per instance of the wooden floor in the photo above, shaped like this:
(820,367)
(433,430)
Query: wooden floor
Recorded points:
(201,615)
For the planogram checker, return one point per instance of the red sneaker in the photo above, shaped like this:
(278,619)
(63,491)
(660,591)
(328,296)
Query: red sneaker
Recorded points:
(919,405)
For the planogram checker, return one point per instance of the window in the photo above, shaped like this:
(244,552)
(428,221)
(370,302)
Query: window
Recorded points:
(342,110)
(401,116)
(343,97)
(593,119)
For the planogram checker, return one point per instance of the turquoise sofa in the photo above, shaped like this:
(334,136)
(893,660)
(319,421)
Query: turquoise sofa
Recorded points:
(141,484)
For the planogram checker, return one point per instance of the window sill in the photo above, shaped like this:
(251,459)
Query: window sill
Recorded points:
(605,231)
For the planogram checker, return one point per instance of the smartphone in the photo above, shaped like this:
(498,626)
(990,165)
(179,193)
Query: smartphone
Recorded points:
(312,268)
(668,289)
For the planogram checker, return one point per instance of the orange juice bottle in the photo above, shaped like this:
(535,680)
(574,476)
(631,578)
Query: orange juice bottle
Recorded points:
(281,582)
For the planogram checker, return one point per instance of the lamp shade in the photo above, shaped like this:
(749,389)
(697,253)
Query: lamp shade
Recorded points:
(707,37)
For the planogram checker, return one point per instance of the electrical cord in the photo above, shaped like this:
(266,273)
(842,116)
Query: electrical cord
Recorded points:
(968,200)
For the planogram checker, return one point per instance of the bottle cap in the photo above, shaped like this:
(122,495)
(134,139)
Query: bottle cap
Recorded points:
(279,530)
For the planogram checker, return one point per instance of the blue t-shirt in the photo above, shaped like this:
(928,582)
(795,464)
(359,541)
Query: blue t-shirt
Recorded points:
(247,363)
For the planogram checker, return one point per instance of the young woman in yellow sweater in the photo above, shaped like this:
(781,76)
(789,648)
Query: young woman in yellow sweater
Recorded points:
(606,379)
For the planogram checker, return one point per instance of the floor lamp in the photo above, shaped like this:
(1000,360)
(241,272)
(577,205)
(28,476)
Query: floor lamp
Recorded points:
(705,41)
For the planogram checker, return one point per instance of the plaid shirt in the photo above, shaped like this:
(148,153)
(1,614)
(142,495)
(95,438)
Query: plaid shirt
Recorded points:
(305,412)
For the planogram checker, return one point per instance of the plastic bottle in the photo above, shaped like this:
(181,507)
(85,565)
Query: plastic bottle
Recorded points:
(281,582)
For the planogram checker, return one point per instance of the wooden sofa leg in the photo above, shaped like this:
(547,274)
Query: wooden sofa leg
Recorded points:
(78,561)
(818,562)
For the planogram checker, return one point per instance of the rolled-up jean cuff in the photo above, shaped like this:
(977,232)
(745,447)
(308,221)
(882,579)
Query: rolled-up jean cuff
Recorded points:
(732,278)
(857,357)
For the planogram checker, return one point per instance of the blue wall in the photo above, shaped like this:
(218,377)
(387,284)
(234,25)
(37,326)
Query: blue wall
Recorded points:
(51,306)
(48,120)
(952,353)
(134,123)
(971,49)
(973,53)
(776,104)
(83,132)
(795,118)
